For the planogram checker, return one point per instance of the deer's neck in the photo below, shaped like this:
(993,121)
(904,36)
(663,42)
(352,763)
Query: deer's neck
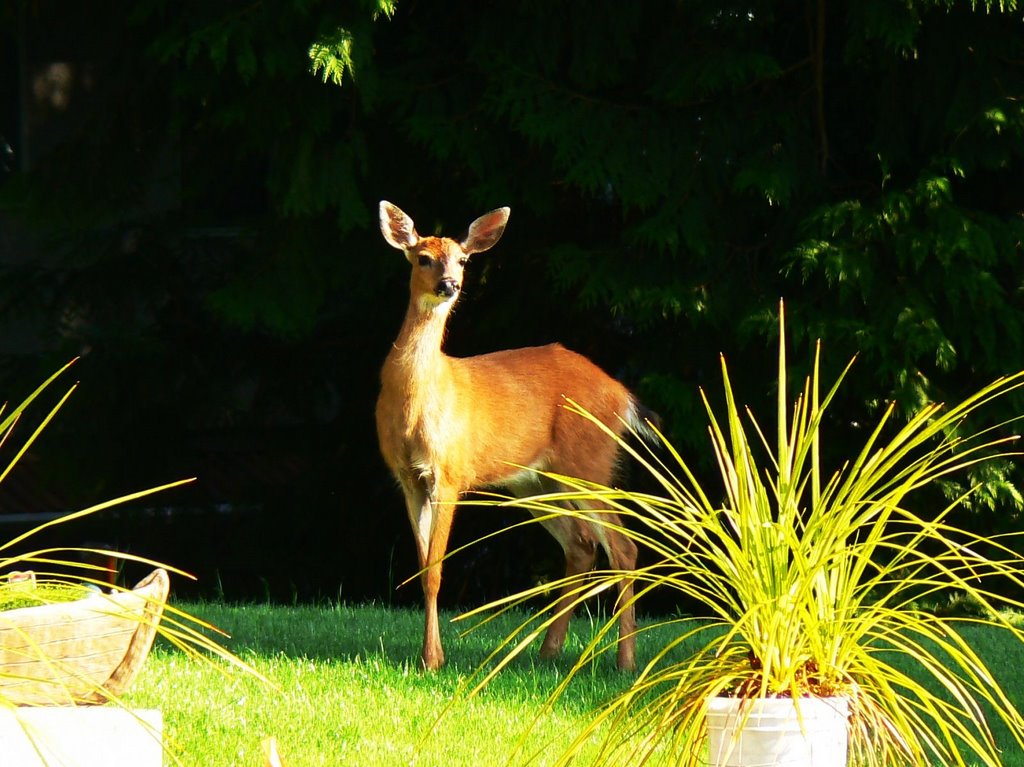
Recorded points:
(418,346)
(417,366)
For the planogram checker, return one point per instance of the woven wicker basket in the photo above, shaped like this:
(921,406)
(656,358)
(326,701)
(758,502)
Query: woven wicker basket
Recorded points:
(83,652)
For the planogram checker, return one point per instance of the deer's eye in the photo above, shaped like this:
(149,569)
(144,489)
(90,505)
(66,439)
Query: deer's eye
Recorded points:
(424,260)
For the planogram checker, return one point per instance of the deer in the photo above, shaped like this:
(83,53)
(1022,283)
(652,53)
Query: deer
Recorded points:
(449,425)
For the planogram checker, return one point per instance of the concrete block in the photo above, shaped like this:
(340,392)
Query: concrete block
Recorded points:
(80,736)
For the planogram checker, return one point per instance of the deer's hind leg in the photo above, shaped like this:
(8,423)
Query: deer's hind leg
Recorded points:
(579,538)
(622,555)
(580,548)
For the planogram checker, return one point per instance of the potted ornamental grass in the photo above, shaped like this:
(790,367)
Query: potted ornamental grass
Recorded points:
(72,640)
(809,646)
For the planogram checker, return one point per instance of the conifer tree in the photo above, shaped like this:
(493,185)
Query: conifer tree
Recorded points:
(673,169)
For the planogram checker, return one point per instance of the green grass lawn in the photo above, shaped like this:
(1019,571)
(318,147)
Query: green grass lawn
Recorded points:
(349,692)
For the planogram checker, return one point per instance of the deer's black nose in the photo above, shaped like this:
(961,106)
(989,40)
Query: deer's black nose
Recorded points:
(447,288)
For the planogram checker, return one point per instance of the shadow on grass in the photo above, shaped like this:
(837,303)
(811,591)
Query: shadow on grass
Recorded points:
(386,642)
(357,632)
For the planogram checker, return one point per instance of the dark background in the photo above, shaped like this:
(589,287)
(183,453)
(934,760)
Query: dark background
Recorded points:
(191,211)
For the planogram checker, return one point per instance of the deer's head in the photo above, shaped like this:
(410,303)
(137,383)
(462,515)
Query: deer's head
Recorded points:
(438,262)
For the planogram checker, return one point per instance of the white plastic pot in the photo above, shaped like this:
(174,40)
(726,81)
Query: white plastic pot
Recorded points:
(766,732)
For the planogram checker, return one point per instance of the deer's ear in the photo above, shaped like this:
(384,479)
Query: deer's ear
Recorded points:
(485,232)
(397,228)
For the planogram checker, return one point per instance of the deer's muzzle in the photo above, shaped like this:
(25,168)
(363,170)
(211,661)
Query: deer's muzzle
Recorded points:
(446,288)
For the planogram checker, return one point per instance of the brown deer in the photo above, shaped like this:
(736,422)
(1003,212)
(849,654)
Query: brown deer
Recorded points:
(448,425)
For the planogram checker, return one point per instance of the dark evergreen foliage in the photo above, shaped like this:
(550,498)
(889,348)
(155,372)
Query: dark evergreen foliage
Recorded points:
(202,223)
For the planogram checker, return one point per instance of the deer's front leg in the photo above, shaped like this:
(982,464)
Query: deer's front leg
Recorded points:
(431,509)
